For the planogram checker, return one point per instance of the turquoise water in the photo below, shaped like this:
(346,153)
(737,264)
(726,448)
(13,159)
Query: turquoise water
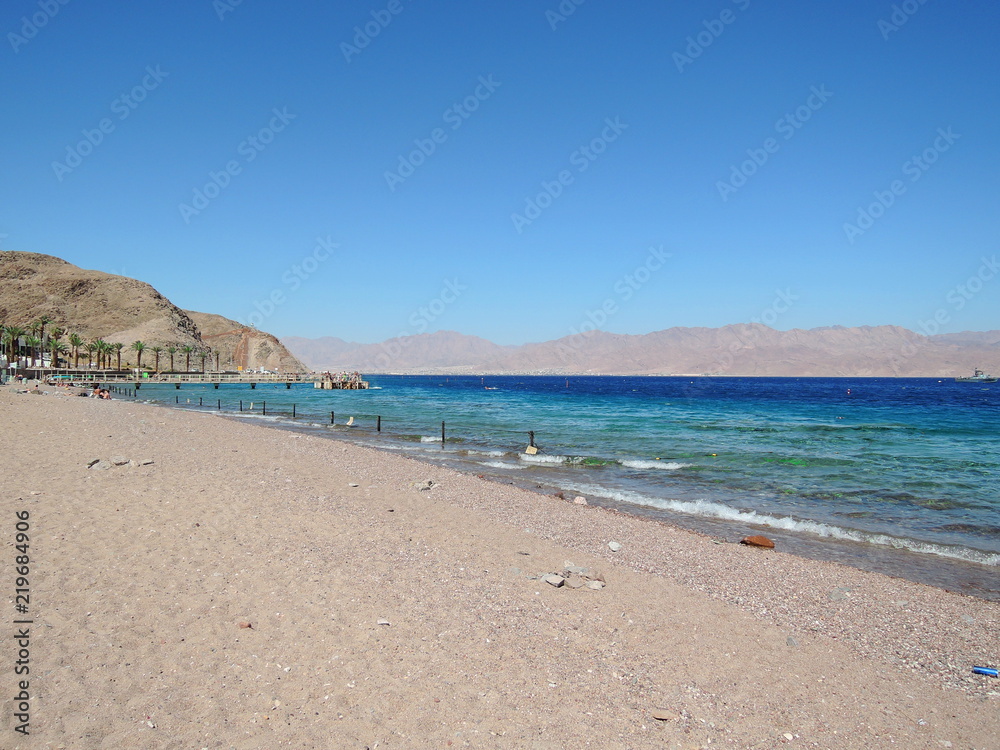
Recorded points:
(894,474)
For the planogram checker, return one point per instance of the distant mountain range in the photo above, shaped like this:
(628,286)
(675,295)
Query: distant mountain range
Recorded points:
(94,304)
(747,349)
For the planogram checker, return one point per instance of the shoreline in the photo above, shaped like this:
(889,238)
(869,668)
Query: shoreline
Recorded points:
(314,541)
(898,557)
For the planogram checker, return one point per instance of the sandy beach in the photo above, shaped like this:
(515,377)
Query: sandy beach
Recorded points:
(216,584)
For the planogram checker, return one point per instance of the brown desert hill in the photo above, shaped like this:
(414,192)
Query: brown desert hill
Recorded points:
(94,304)
(747,349)
(241,346)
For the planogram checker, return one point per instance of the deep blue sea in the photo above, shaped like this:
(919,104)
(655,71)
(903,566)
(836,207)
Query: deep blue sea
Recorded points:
(896,475)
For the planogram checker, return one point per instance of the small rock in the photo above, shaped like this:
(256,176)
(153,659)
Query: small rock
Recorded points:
(577,569)
(383,622)
(92,462)
(246,625)
(791,641)
(614,546)
(554,580)
(788,736)
(119,460)
(757,541)
(839,594)
(560,495)
(101,466)
(353,484)
(145,462)
(595,585)
(579,500)
(664,714)
(574,582)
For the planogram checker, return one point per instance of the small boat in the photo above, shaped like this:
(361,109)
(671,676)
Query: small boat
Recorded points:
(977,377)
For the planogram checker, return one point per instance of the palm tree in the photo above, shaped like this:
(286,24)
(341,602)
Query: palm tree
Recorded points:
(217,361)
(76,342)
(34,343)
(138,347)
(118,346)
(13,336)
(171,350)
(41,323)
(56,347)
(203,355)
(156,352)
(187,351)
(101,347)
(91,348)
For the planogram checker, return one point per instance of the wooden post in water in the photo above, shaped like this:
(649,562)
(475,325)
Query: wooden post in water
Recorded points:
(331,417)
(263,409)
(293,411)
(200,401)
(442,433)
(177,399)
(531,438)
(241,404)
(220,404)
(378,424)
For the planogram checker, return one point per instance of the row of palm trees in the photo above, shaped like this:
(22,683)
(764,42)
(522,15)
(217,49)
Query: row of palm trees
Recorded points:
(33,338)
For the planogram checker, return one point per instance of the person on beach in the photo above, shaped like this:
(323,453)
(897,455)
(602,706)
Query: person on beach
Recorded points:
(105,394)
(96,393)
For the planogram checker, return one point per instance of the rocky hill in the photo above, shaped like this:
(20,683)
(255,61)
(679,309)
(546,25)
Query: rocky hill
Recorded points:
(94,304)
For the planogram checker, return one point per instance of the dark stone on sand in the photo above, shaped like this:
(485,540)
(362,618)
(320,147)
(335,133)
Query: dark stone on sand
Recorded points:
(757,541)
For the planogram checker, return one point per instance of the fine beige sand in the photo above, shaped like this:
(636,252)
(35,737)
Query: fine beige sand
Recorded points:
(386,614)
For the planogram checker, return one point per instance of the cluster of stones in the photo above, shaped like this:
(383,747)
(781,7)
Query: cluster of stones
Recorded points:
(572,577)
(99,464)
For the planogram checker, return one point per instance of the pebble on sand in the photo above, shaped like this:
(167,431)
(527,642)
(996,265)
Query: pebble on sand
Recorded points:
(614,546)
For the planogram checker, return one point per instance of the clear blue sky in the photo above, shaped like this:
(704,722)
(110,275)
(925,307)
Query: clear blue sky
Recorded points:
(449,241)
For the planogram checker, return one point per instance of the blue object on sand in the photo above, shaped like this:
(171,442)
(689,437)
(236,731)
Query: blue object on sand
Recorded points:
(986,671)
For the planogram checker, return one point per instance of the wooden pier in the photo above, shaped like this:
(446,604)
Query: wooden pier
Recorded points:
(124,377)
